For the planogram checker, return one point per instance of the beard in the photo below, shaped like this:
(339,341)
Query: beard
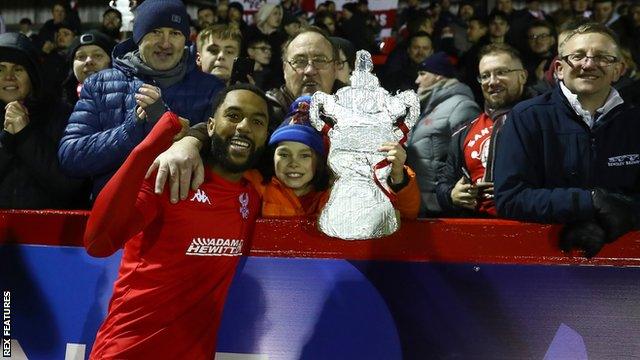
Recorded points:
(219,153)
(509,99)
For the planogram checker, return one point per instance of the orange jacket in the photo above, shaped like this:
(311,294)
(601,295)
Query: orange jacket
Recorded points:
(280,201)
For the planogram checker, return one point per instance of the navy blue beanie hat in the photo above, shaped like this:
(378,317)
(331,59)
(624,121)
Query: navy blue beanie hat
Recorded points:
(153,14)
(438,64)
(296,127)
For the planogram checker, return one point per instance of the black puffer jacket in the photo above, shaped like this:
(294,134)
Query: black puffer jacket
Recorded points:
(30,177)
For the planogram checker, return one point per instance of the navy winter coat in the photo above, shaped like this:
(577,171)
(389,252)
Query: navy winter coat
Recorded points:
(103,128)
(548,159)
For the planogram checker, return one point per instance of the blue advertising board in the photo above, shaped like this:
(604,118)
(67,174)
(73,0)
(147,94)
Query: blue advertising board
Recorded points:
(292,308)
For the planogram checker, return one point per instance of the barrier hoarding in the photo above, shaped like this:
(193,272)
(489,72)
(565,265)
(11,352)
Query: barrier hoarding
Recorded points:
(438,289)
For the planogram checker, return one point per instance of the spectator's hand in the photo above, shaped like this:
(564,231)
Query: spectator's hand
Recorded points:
(464,194)
(397,156)
(147,95)
(587,236)
(182,164)
(141,113)
(614,212)
(485,189)
(16,117)
(48,47)
(150,105)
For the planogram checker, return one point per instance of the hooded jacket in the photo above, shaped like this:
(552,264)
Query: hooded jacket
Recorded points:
(103,128)
(448,106)
(30,177)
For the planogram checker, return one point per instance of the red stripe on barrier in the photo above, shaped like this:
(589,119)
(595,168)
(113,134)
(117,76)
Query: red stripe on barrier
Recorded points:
(475,241)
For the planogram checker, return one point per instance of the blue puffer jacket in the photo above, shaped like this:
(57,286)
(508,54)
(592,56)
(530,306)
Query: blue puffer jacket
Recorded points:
(103,128)
(548,159)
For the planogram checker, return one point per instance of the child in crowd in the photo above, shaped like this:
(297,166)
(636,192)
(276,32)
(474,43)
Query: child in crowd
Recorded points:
(297,181)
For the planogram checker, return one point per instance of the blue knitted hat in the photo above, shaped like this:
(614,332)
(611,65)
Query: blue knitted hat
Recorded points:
(304,134)
(153,14)
(438,64)
(296,127)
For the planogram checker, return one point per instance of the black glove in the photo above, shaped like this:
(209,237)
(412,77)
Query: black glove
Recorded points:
(587,236)
(614,212)
(155,111)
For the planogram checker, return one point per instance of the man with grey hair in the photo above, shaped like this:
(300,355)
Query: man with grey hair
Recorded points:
(572,155)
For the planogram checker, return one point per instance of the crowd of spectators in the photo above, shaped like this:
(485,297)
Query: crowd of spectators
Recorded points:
(91,95)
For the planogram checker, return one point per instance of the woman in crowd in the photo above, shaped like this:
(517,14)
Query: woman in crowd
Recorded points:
(32,127)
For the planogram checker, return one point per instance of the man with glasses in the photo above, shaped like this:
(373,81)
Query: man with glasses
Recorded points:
(309,65)
(465,183)
(572,155)
(541,50)
(259,50)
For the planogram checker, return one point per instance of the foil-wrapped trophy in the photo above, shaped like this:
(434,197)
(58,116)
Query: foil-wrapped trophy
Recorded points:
(357,120)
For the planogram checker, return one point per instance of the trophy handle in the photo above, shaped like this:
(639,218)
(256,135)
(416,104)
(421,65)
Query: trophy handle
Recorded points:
(320,114)
(407,111)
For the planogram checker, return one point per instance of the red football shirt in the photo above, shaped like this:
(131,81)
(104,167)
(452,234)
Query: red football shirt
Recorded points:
(174,275)
(477,145)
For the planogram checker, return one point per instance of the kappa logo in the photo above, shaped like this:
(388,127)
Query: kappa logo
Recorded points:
(215,247)
(200,196)
(244,205)
(624,160)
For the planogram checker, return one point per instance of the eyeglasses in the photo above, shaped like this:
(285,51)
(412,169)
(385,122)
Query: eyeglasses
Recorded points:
(539,36)
(500,74)
(262,48)
(600,60)
(320,63)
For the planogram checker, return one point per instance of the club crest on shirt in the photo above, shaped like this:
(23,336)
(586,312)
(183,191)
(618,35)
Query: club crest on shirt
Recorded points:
(483,153)
(244,205)
(624,160)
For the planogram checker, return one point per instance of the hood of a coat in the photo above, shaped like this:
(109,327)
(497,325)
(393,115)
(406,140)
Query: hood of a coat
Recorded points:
(443,92)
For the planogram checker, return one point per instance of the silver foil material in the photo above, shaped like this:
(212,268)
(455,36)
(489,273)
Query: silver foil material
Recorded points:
(363,116)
